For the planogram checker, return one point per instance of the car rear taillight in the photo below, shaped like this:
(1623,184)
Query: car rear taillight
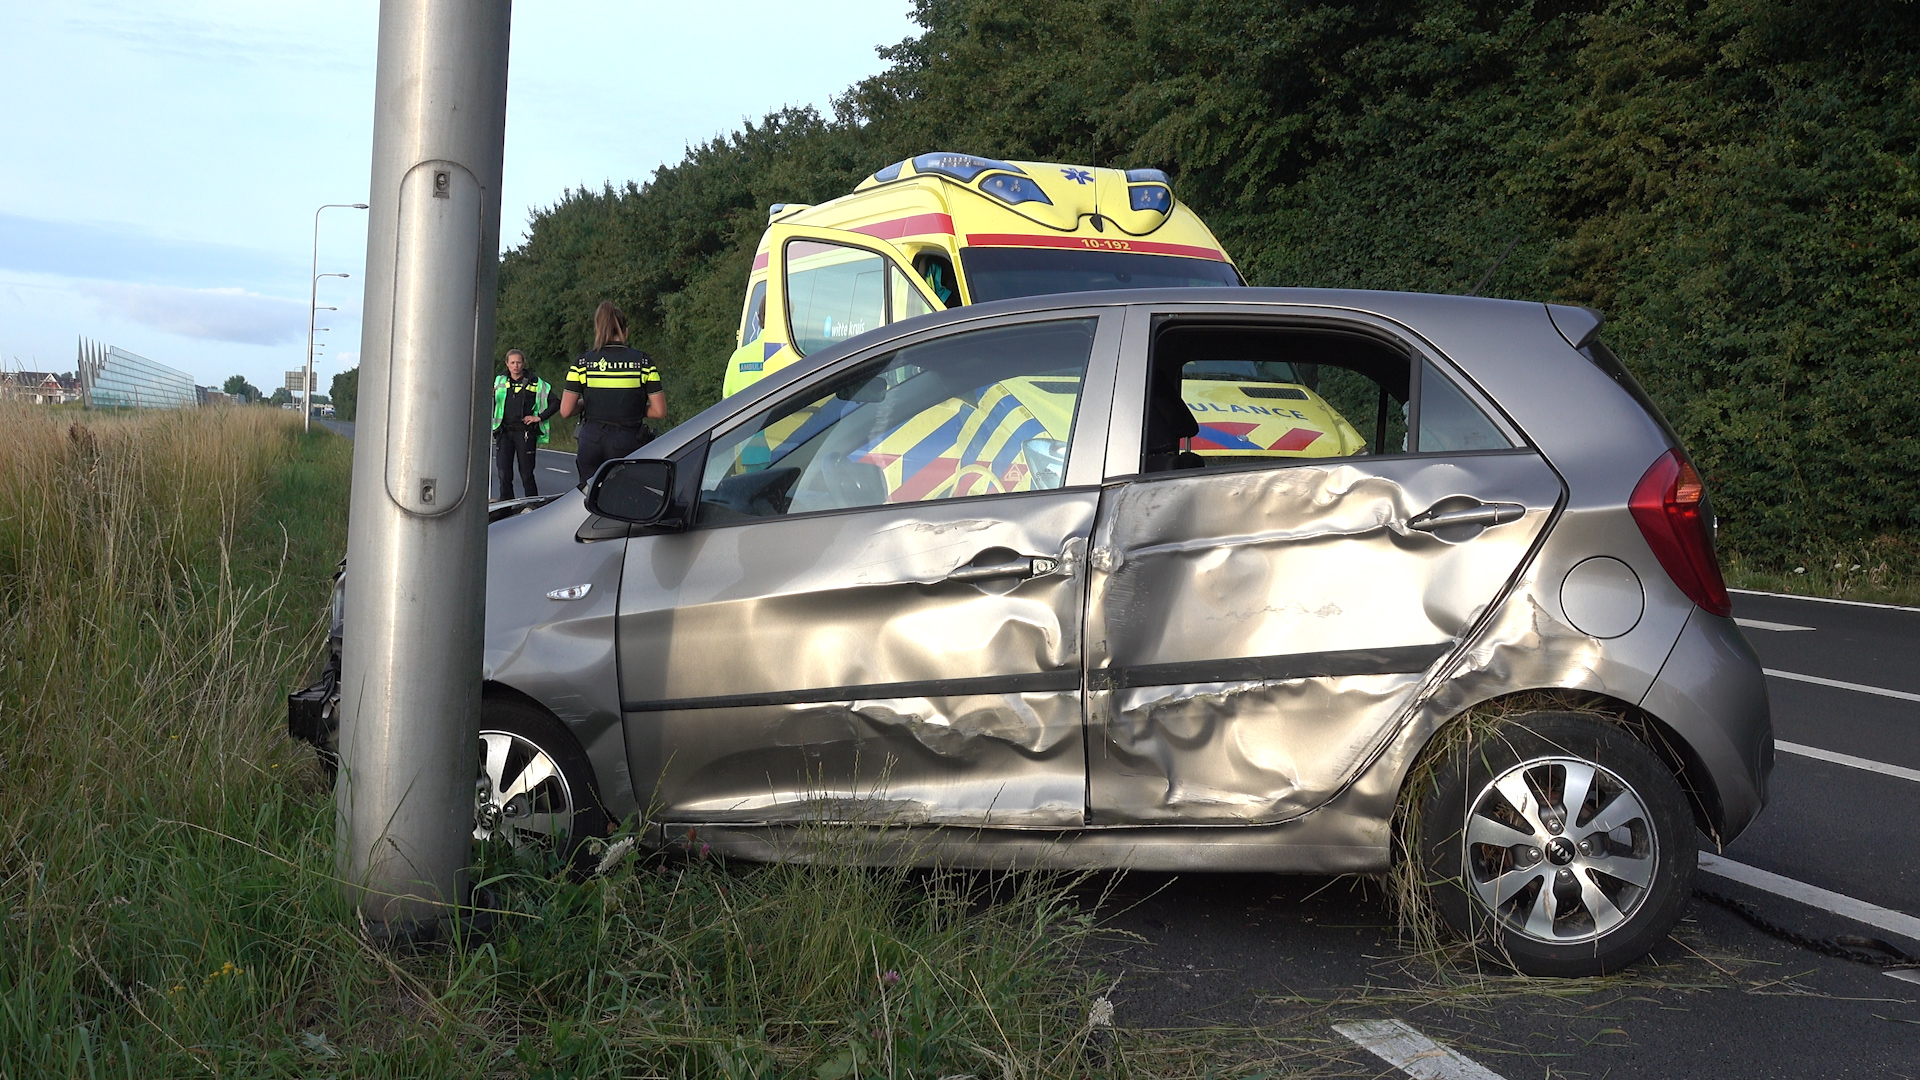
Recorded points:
(1670,506)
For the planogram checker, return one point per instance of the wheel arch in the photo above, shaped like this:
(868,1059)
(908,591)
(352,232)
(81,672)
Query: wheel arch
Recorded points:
(493,690)
(1689,770)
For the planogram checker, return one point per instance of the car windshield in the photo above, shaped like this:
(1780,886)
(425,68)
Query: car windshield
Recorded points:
(997,273)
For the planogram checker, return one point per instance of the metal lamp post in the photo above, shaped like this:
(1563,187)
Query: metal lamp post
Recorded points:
(415,604)
(313,296)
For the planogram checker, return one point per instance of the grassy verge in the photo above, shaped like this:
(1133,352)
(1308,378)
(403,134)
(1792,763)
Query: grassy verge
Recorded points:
(1885,570)
(166,904)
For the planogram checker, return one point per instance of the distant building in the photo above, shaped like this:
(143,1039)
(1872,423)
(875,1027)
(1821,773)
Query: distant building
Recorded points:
(38,387)
(113,378)
(212,395)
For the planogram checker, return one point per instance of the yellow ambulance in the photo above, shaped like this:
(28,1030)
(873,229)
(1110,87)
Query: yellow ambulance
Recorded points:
(941,230)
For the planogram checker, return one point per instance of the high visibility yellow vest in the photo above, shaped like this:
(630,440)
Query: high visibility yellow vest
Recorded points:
(541,390)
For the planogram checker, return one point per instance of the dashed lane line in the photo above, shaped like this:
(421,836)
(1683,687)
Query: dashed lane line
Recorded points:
(1893,922)
(1836,683)
(1867,764)
(1400,1046)
(1823,600)
(1761,624)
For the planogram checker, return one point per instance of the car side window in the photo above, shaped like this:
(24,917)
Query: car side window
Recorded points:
(1449,421)
(1222,394)
(980,412)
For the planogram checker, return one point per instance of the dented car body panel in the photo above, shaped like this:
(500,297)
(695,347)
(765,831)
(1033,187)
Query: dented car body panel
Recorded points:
(1225,666)
(854,666)
(1263,630)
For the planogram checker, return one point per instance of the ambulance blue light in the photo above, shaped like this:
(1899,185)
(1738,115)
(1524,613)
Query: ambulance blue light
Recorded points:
(891,172)
(1014,190)
(962,167)
(1150,197)
(1146,176)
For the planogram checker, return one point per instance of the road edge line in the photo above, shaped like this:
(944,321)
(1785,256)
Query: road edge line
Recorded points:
(1864,764)
(1839,685)
(1822,599)
(1893,922)
(1399,1045)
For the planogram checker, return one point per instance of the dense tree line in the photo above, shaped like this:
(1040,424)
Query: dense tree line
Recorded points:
(1734,182)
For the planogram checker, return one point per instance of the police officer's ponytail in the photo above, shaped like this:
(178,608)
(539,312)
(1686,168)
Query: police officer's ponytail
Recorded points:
(609,325)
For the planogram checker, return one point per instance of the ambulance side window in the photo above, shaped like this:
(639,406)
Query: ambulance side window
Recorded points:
(754,322)
(905,301)
(833,292)
(937,272)
(981,412)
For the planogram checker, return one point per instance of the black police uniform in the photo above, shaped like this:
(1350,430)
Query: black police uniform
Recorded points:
(614,384)
(514,440)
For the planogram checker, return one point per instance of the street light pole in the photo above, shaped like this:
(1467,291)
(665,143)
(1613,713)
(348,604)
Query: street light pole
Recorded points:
(313,297)
(415,603)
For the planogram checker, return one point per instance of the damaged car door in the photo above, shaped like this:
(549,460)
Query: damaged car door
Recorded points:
(1272,582)
(875,611)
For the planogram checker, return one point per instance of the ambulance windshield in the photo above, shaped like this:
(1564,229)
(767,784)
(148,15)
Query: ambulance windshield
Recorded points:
(997,273)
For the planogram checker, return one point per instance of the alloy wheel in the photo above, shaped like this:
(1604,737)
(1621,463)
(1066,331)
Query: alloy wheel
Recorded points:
(1560,850)
(521,795)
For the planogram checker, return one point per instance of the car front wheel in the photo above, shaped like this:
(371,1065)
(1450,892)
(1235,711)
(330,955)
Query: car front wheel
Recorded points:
(1559,839)
(535,790)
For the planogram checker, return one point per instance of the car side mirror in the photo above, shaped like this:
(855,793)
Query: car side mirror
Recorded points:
(634,490)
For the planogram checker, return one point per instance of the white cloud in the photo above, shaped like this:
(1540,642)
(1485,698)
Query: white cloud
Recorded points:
(211,314)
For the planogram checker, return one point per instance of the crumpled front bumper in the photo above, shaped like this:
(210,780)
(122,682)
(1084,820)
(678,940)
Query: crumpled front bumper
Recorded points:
(313,714)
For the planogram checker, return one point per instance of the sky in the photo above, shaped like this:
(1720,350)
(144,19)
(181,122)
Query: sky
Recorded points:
(160,165)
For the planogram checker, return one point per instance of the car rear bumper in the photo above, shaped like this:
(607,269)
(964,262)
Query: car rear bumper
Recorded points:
(1712,693)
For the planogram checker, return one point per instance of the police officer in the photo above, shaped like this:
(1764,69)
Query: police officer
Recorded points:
(614,390)
(520,413)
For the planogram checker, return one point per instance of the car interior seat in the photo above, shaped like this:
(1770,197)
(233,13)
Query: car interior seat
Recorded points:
(1169,422)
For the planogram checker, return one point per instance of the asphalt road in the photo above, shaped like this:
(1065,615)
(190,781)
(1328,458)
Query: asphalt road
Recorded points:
(1281,965)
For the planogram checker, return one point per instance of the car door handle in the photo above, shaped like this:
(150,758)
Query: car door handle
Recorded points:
(1024,567)
(1467,516)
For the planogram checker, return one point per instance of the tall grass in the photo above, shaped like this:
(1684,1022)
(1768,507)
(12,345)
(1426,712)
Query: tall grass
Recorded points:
(166,904)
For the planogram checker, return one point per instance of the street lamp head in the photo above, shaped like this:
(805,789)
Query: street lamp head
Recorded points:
(359,206)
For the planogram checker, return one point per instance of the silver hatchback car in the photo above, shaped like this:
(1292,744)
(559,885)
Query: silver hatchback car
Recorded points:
(983,587)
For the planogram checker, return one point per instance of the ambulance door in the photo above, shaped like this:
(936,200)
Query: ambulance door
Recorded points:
(825,286)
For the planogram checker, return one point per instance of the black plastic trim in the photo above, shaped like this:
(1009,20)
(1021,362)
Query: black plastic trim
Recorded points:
(1401,660)
(1037,682)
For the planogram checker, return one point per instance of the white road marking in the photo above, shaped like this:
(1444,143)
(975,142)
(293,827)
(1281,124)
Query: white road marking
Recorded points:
(1861,687)
(1905,975)
(552,469)
(1400,1046)
(1894,922)
(1823,600)
(1756,624)
(1849,760)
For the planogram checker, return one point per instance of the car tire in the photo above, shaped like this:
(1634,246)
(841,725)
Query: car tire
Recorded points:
(1556,890)
(535,790)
